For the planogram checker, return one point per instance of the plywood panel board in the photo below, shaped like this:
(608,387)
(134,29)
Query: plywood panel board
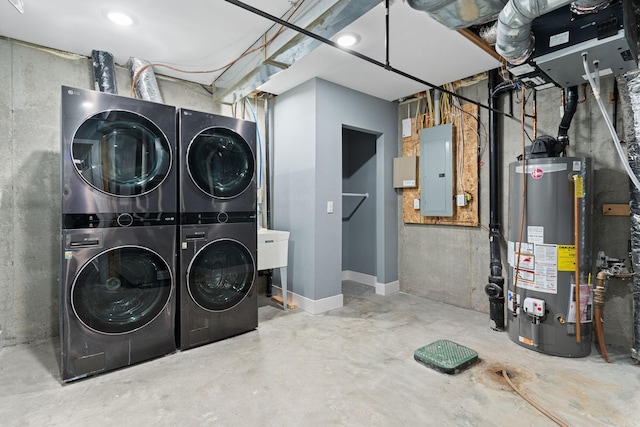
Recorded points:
(466,139)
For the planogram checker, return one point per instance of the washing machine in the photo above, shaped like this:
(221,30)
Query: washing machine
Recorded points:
(119,231)
(118,158)
(217,167)
(117,297)
(218,296)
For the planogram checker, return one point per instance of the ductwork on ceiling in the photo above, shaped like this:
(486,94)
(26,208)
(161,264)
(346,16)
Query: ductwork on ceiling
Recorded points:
(144,79)
(458,14)
(104,72)
(515,41)
(324,17)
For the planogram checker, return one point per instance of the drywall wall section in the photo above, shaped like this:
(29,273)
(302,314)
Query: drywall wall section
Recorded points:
(313,116)
(451,264)
(294,182)
(30,80)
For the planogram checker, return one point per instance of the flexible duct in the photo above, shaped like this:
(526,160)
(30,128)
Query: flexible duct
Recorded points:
(515,41)
(144,80)
(104,72)
(629,85)
(458,14)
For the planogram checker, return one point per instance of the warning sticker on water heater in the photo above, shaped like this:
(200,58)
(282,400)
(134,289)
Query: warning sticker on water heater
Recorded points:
(566,258)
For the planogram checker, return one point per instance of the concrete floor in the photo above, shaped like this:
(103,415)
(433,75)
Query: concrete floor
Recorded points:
(350,367)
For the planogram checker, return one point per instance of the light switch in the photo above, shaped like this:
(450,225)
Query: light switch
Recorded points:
(330,207)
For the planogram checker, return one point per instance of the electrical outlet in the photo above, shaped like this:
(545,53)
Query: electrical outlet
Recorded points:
(461,199)
(330,207)
(416,203)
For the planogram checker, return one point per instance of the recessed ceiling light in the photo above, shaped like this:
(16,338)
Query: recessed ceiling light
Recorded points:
(347,39)
(120,18)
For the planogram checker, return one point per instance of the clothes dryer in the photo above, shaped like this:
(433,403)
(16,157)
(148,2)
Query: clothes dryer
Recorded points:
(118,158)
(217,167)
(117,297)
(218,297)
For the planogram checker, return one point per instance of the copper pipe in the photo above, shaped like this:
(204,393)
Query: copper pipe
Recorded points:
(598,302)
(576,239)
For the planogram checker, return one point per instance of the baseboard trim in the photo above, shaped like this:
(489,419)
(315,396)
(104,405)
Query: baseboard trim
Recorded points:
(312,306)
(354,276)
(367,279)
(388,288)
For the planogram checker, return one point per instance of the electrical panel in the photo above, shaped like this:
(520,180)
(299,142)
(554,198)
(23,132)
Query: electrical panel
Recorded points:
(436,171)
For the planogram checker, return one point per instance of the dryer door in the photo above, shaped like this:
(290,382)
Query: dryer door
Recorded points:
(121,153)
(220,163)
(121,290)
(220,275)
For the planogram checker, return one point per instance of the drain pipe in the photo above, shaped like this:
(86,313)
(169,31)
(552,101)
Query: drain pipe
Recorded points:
(569,110)
(495,288)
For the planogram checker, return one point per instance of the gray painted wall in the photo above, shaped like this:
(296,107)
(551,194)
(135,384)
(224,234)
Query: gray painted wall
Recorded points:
(451,264)
(307,136)
(358,213)
(30,80)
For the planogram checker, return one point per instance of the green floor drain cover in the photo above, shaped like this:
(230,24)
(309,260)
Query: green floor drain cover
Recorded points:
(446,356)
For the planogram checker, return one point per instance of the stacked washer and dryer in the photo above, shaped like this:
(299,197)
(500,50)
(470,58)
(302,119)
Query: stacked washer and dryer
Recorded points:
(140,277)
(218,231)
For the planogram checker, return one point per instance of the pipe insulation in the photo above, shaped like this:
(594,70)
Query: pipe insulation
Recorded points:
(145,83)
(629,85)
(514,40)
(104,72)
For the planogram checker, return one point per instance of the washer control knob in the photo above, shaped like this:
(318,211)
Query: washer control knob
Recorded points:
(223,217)
(125,220)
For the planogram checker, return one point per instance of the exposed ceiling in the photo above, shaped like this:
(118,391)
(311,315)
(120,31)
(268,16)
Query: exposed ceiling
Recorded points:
(207,34)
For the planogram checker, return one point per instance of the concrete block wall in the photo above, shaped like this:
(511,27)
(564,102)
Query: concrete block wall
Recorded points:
(451,264)
(30,80)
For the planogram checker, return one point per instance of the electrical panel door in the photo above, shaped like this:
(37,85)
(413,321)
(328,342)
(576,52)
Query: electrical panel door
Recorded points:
(436,171)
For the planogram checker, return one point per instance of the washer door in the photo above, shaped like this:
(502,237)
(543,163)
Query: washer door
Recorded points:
(121,290)
(121,153)
(220,275)
(220,163)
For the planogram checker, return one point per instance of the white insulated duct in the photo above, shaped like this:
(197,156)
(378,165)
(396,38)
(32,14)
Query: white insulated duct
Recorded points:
(458,14)
(515,41)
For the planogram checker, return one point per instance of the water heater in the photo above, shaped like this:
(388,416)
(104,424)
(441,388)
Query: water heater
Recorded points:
(550,202)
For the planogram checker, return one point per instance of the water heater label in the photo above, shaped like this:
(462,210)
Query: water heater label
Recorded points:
(566,258)
(535,234)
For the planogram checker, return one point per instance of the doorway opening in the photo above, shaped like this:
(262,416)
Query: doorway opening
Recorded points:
(359,184)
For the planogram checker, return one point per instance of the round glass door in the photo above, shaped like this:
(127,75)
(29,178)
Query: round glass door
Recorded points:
(121,153)
(220,163)
(220,275)
(121,290)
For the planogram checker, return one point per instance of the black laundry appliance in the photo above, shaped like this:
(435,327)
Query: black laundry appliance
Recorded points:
(217,167)
(218,296)
(118,230)
(217,232)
